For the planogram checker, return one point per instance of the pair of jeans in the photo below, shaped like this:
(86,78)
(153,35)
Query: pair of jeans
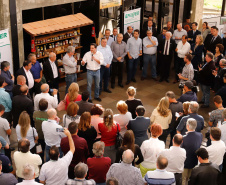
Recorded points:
(117,70)
(178,178)
(179,66)
(206,94)
(69,79)
(164,135)
(152,60)
(90,76)
(132,68)
(104,76)
(47,152)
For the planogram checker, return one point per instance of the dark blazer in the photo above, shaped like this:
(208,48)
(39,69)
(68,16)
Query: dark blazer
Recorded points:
(84,106)
(48,72)
(160,39)
(16,91)
(145,25)
(171,49)
(218,80)
(22,103)
(193,36)
(126,37)
(211,46)
(191,142)
(205,76)
(205,173)
(113,37)
(139,127)
(21,72)
(197,55)
(222,92)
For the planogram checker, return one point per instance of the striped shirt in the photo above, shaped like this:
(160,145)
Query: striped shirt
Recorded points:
(80,182)
(188,72)
(160,177)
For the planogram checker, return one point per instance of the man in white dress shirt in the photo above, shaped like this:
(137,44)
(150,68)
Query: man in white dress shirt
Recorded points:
(70,67)
(52,132)
(106,66)
(29,175)
(52,100)
(94,59)
(183,48)
(176,157)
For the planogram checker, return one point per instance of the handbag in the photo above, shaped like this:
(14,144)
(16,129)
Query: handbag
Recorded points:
(119,139)
(38,146)
(61,106)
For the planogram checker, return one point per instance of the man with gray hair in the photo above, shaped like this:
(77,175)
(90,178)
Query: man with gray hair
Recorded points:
(80,170)
(166,50)
(124,172)
(98,165)
(52,100)
(193,113)
(29,175)
(178,33)
(70,67)
(191,142)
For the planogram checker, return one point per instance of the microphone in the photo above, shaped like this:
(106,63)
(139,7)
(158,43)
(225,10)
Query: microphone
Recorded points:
(92,57)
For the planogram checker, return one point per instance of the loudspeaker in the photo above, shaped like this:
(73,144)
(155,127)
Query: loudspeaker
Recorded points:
(165,8)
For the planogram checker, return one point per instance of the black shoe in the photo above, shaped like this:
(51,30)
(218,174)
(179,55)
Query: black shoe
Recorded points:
(201,102)
(112,86)
(142,78)
(90,101)
(167,80)
(155,79)
(127,83)
(205,106)
(120,85)
(108,91)
(161,80)
(98,99)
(134,80)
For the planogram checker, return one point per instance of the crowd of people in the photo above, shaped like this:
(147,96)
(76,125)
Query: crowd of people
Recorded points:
(91,144)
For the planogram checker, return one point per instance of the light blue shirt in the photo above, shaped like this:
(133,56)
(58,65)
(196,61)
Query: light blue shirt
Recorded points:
(107,54)
(109,41)
(179,34)
(152,50)
(134,46)
(5,100)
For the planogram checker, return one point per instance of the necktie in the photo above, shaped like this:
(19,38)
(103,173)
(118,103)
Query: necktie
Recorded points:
(212,40)
(114,38)
(166,47)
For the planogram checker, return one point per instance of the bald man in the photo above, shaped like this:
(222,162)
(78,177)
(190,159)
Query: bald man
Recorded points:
(52,100)
(51,71)
(52,132)
(22,103)
(21,80)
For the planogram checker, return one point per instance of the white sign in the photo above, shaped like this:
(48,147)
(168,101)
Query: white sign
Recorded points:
(5,50)
(132,18)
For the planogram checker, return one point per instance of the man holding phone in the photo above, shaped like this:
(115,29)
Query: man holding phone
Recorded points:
(53,132)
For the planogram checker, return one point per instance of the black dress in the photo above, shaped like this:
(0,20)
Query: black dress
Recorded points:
(132,105)
(137,153)
(89,135)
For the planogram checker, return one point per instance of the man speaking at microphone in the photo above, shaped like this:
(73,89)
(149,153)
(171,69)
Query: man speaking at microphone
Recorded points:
(94,59)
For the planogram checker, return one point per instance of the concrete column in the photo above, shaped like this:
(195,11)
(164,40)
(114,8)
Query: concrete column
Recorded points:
(197,11)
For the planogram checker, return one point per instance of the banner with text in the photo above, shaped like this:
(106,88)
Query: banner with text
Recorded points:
(132,18)
(109,3)
(5,50)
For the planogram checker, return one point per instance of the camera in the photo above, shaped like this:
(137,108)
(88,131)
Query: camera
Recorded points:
(181,85)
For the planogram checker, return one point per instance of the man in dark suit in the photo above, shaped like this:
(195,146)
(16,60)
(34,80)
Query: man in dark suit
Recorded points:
(149,27)
(169,27)
(115,33)
(160,39)
(191,142)
(166,49)
(212,40)
(193,33)
(222,92)
(84,105)
(128,34)
(21,80)
(150,18)
(206,79)
(139,125)
(218,80)
(22,103)
(25,71)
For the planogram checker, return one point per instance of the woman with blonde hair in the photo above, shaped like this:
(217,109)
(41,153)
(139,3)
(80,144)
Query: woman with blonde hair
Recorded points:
(123,117)
(24,130)
(196,51)
(86,131)
(131,102)
(108,130)
(163,116)
(73,94)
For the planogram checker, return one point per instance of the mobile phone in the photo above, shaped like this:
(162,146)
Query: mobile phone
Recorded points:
(60,129)
(51,90)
